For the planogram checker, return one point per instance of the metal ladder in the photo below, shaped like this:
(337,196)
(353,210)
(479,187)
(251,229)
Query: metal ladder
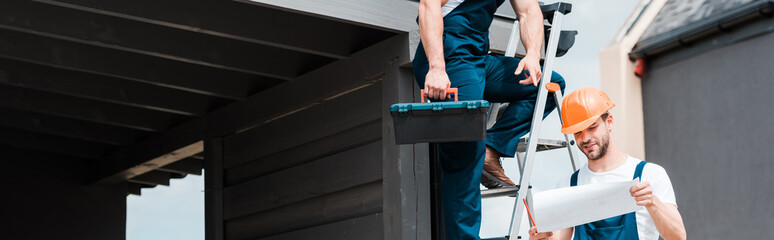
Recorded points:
(530,145)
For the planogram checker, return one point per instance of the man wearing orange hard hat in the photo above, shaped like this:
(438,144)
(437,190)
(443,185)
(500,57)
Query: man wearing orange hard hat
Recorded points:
(585,114)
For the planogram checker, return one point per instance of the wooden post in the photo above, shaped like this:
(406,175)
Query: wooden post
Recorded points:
(406,167)
(213,188)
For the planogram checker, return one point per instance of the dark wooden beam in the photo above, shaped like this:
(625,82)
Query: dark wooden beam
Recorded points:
(406,173)
(152,178)
(78,108)
(131,66)
(53,144)
(157,40)
(186,166)
(213,189)
(104,88)
(68,127)
(179,142)
(242,22)
(134,188)
(177,175)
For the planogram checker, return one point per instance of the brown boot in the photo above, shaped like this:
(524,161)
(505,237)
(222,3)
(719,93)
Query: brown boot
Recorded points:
(493,175)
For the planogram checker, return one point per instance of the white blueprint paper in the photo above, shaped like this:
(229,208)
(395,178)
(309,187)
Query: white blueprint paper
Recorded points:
(568,207)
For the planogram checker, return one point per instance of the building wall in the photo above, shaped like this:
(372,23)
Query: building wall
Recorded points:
(44,197)
(617,79)
(708,121)
(316,173)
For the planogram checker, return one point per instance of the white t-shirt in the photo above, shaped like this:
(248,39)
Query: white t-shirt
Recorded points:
(653,173)
(450,5)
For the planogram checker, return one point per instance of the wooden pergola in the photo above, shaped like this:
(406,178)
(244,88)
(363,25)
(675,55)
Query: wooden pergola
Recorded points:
(145,90)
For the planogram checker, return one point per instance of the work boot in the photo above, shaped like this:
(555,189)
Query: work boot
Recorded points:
(493,175)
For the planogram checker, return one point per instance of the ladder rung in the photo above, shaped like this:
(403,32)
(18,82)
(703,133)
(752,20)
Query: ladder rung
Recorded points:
(497,238)
(543,144)
(499,192)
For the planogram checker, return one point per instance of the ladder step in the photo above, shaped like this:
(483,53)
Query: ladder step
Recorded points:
(499,192)
(543,144)
(497,238)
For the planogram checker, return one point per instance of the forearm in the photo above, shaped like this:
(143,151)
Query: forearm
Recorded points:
(564,234)
(431,32)
(667,219)
(530,25)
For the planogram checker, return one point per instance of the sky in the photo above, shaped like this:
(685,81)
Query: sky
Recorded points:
(177,211)
(167,212)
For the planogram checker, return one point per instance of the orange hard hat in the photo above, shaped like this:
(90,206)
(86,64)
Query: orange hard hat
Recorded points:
(582,107)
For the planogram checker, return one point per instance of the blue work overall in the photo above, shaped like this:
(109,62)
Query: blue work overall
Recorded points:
(623,227)
(477,75)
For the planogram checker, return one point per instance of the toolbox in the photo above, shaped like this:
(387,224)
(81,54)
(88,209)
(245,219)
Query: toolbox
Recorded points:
(440,121)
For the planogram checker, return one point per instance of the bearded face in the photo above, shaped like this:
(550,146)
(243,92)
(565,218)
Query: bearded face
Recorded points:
(594,140)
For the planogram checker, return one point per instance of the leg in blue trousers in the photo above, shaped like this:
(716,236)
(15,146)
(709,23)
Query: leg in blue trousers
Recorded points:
(503,86)
(462,162)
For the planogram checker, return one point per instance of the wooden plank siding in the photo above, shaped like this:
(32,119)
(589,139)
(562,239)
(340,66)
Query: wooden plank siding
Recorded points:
(307,171)
(323,176)
(354,202)
(323,147)
(310,158)
(322,120)
(366,227)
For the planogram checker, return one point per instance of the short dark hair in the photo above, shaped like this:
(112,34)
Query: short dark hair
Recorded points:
(604,115)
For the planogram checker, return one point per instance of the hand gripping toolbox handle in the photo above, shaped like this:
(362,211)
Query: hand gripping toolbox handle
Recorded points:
(448,91)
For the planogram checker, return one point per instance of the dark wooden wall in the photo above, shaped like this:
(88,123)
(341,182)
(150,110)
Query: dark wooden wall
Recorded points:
(308,173)
(44,197)
(315,158)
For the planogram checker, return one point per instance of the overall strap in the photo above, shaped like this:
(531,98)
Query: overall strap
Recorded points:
(574,179)
(638,170)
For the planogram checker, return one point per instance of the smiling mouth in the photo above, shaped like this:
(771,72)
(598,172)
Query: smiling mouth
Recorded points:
(588,147)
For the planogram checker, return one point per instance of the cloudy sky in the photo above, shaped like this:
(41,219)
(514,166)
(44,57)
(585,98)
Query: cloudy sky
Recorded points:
(177,212)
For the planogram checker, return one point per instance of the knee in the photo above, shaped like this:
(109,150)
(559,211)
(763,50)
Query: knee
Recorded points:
(557,78)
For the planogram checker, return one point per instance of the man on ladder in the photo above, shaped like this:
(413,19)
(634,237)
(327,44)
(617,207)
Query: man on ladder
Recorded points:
(585,114)
(454,53)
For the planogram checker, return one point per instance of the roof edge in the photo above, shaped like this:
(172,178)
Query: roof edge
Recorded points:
(689,32)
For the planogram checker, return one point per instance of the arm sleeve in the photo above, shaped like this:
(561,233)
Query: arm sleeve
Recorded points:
(660,183)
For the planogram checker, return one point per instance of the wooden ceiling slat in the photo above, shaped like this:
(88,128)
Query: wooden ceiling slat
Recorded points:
(106,89)
(84,109)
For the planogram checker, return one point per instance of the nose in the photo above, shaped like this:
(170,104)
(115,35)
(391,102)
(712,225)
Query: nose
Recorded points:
(582,137)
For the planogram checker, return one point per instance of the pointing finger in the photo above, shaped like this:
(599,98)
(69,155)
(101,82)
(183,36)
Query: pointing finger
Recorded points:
(519,68)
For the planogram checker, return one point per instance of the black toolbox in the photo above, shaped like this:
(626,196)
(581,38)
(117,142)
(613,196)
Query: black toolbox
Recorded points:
(440,121)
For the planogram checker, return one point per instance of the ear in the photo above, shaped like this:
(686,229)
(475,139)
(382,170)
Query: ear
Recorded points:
(609,122)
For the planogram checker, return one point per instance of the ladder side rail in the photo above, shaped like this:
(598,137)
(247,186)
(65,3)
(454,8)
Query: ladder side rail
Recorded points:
(537,121)
(520,162)
(568,138)
(493,112)
(513,41)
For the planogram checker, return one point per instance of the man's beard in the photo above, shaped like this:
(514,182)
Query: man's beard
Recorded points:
(605,141)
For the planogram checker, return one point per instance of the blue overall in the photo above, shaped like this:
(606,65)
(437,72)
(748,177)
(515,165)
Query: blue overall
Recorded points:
(478,75)
(618,227)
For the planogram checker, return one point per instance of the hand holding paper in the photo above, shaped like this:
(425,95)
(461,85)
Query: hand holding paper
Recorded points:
(568,207)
